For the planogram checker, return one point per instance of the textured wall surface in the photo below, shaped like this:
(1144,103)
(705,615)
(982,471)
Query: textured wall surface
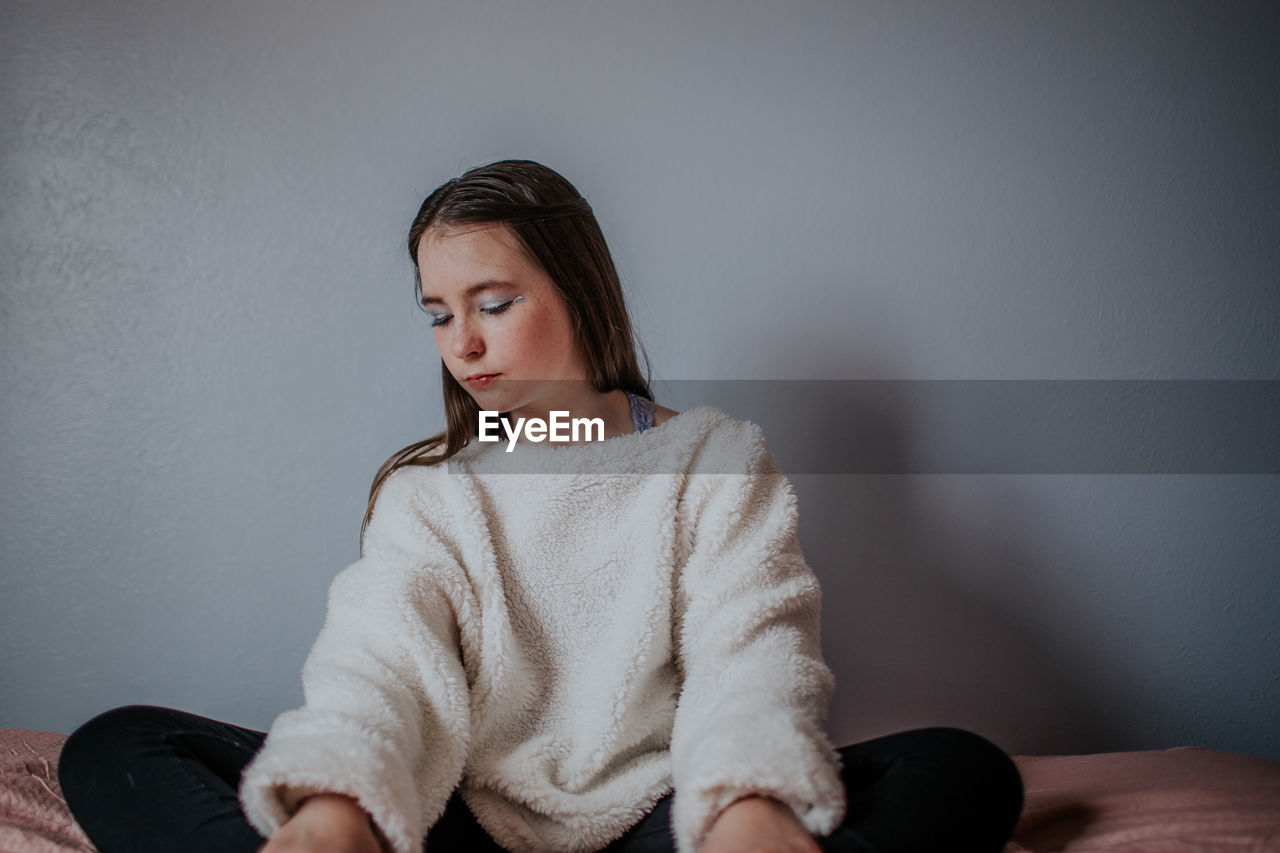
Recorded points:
(208,343)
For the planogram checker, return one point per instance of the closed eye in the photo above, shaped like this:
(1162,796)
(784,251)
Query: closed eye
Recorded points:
(440,319)
(498,308)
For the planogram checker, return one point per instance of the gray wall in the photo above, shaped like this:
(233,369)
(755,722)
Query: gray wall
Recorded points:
(209,344)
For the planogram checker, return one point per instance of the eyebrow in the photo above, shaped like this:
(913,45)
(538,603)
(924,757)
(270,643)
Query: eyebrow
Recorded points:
(478,287)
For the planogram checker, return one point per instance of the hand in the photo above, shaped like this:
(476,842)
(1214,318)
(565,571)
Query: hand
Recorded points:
(325,823)
(758,825)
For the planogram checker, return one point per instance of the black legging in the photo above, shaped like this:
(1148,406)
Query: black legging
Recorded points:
(141,779)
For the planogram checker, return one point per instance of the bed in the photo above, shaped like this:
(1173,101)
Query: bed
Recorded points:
(1159,801)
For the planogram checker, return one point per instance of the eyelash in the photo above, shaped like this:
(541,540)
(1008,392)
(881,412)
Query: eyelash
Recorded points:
(492,310)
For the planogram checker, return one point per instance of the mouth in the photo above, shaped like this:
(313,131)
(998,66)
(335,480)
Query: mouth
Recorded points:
(479,380)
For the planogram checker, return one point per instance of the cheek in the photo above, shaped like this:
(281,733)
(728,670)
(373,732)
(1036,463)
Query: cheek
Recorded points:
(552,339)
(534,333)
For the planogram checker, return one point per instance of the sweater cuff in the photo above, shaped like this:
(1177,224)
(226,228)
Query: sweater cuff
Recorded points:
(292,767)
(801,771)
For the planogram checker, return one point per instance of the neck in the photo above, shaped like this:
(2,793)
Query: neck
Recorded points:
(583,401)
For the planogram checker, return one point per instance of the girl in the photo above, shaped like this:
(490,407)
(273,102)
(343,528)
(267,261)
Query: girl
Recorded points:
(603,644)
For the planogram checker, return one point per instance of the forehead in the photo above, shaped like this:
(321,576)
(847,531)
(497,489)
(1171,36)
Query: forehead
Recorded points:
(471,251)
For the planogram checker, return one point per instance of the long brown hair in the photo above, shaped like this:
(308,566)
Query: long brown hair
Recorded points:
(558,229)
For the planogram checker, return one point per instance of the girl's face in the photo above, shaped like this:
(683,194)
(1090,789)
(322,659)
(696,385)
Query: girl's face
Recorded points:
(502,328)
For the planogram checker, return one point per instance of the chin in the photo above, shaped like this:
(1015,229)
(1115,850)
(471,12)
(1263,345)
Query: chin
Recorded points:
(494,401)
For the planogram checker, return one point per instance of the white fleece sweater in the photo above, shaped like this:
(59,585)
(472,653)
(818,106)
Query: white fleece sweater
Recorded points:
(568,647)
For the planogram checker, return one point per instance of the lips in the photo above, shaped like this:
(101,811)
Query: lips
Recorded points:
(479,380)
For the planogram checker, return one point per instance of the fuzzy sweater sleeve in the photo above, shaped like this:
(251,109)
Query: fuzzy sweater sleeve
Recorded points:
(751,717)
(385,718)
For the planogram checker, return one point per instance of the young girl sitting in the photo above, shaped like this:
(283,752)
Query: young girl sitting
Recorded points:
(608,643)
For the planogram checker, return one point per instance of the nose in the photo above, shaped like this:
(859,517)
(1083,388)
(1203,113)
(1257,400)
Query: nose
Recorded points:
(465,342)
